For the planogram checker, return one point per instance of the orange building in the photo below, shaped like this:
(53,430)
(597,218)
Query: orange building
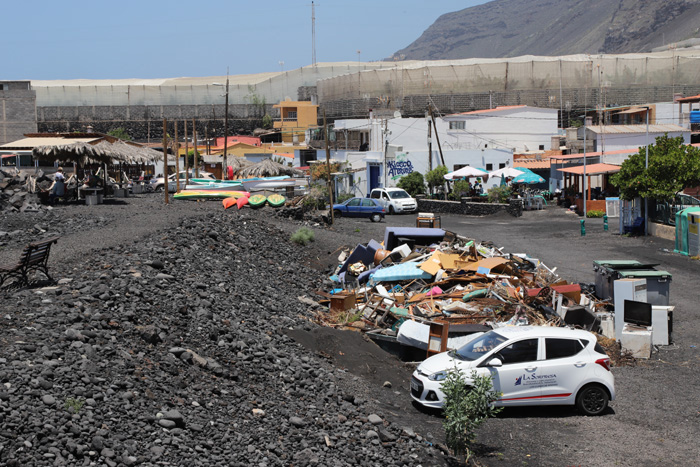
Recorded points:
(295,118)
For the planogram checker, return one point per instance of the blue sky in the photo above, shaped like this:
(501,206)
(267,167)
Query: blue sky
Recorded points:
(46,40)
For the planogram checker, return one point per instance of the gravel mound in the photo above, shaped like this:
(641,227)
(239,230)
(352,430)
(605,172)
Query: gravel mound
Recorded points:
(172,348)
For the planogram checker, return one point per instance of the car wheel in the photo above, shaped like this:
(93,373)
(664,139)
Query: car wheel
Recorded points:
(159,189)
(337,213)
(391,210)
(592,400)
(375,217)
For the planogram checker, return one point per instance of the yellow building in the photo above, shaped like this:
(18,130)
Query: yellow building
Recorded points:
(295,118)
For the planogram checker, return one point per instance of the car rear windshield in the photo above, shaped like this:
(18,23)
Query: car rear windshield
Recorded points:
(480,346)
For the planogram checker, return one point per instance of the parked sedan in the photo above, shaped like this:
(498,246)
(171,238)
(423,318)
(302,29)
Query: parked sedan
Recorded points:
(528,365)
(360,207)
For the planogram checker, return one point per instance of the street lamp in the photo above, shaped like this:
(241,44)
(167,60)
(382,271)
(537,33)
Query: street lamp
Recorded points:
(224,175)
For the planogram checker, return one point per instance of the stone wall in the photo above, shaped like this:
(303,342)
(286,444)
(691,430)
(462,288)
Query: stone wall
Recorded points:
(514,207)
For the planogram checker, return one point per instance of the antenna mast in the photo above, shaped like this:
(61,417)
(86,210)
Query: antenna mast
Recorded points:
(313,34)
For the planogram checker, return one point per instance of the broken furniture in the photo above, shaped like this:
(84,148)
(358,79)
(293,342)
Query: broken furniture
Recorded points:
(428,220)
(35,257)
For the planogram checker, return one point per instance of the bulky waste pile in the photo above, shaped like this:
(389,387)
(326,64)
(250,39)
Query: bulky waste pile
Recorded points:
(419,280)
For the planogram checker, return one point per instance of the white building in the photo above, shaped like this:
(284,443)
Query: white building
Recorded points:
(485,139)
(609,138)
(520,128)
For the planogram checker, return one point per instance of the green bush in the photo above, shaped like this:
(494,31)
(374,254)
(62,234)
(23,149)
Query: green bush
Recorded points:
(595,213)
(466,407)
(413,183)
(342,197)
(499,194)
(303,236)
(317,198)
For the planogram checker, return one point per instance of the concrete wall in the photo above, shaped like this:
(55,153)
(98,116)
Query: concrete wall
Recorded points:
(17,110)
(615,142)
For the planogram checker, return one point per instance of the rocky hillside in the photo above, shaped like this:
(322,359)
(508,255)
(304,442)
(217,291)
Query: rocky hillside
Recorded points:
(509,28)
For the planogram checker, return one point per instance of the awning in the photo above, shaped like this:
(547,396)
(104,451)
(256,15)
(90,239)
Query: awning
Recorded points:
(5,156)
(592,169)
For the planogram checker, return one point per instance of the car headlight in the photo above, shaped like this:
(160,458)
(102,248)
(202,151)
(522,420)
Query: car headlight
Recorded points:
(439,376)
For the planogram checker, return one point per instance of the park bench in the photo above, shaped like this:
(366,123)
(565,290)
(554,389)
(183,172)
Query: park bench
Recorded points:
(35,257)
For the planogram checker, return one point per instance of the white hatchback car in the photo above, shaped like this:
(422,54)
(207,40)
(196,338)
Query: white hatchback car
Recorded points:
(528,365)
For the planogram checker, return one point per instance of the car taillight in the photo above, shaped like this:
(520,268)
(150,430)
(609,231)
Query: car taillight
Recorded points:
(604,362)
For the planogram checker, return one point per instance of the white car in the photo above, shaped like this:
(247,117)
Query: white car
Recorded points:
(528,365)
(394,200)
(158,184)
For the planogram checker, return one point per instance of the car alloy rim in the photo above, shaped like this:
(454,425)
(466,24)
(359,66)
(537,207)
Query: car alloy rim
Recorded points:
(593,400)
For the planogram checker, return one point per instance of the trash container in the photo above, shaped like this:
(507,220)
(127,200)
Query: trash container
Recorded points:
(694,234)
(606,273)
(682,229)
(658,283)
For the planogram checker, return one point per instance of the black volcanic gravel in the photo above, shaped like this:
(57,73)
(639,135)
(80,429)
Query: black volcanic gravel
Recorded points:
(165,343)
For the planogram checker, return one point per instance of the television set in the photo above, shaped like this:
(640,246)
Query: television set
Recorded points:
(638,313)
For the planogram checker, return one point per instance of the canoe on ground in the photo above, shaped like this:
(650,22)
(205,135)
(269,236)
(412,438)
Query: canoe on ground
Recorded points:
(257,201)
(228,202)
(242,202)
(193,194)
(215,186)
(276,200)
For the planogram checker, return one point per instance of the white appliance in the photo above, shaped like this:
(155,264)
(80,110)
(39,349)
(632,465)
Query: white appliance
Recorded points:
(627,289)
(662,324)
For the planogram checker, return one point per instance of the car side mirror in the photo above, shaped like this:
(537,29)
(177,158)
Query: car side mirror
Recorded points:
(495,362)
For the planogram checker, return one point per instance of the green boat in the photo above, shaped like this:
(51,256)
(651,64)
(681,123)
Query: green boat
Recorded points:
(257,201)
(276,200)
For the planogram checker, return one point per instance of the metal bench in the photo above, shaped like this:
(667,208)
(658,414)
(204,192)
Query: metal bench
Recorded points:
(35,257)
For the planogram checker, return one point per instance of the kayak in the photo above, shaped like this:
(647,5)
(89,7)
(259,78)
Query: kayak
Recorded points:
(276,200)
(210,194)
(216,186)
(242,202)
(257,201)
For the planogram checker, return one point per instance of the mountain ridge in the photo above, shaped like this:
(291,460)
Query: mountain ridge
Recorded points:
(509,28)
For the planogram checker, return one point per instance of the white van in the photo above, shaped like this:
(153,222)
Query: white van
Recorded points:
(394,200)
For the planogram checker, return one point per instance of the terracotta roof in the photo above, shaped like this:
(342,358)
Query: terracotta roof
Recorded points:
(497,109)
(596,154)
(690,99)
(636,129)
(532,163)
(592,169)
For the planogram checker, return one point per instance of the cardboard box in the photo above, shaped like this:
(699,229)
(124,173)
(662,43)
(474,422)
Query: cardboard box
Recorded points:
(343,301)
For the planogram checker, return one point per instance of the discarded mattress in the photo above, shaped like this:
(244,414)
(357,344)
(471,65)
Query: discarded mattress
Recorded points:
(416,334)
(400,272)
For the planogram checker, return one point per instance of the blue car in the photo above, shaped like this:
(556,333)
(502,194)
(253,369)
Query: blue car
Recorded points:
(360,207)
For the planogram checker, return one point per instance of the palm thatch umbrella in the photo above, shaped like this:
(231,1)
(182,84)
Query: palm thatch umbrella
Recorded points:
(269,168)
(238,163)
(103,152)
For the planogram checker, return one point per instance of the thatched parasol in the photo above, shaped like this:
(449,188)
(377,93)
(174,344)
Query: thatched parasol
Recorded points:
(103,152)
(268,168)
(238,163)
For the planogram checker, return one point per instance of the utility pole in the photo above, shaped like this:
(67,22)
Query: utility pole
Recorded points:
(165,159)
(328,165)
(187,156)
(177,160)
(194,143)
(313,34)
(223,176)
(430,142)
(437,139)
